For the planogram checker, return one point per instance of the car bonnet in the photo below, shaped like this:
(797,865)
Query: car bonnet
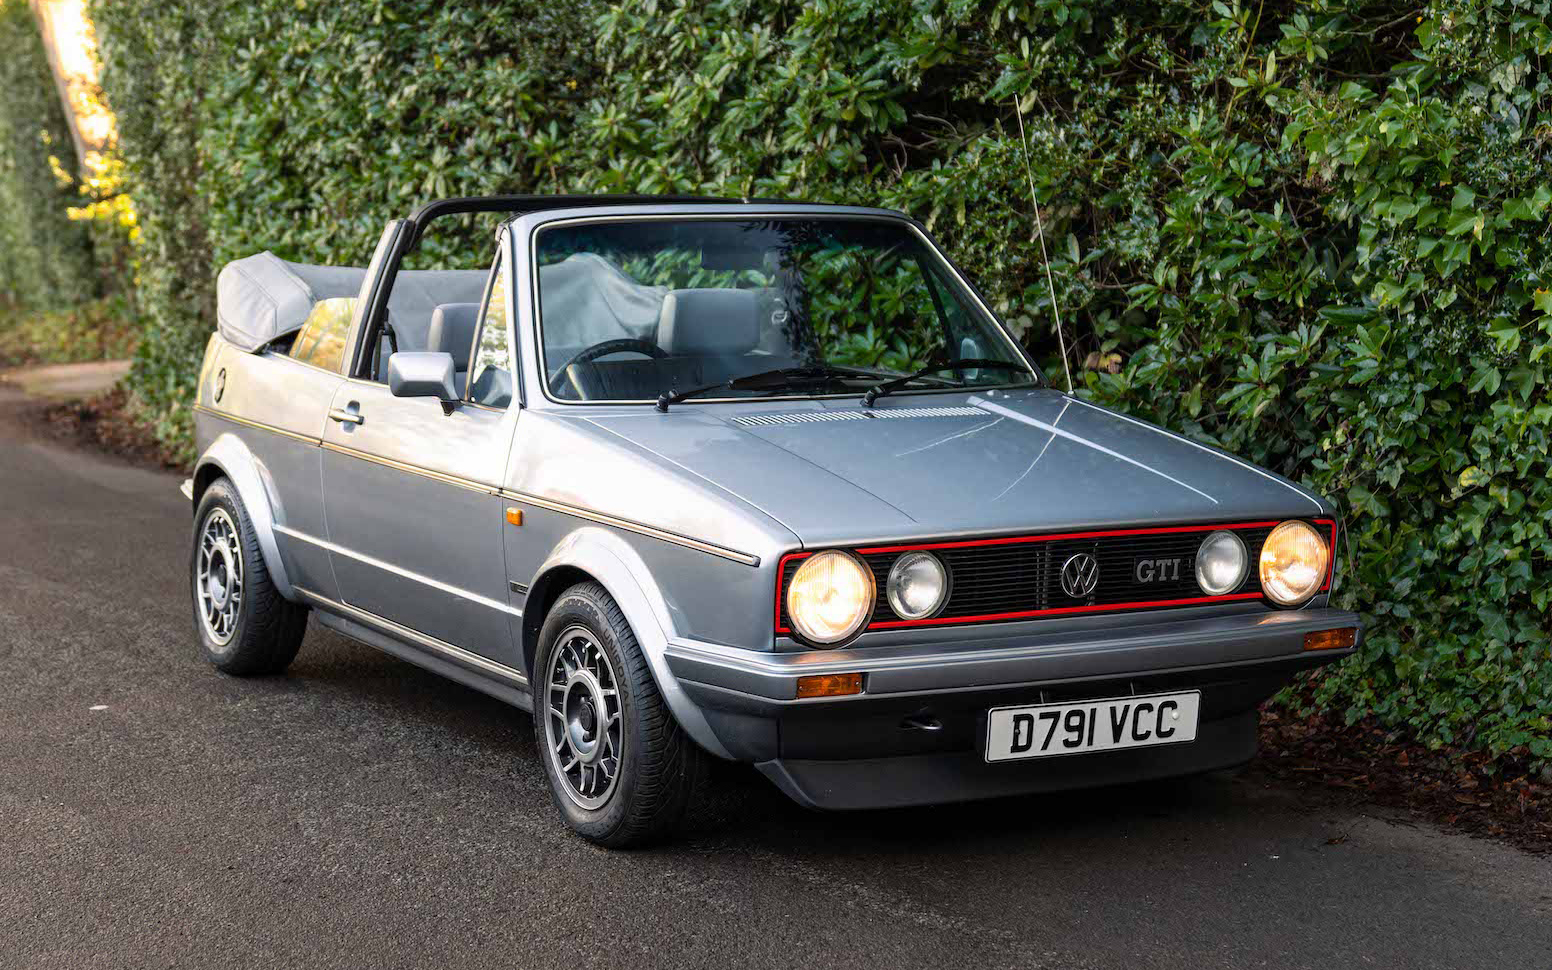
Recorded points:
(976,463)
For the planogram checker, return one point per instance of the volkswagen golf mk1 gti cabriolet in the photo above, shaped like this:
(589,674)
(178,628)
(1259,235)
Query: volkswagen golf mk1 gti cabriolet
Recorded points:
(757,481)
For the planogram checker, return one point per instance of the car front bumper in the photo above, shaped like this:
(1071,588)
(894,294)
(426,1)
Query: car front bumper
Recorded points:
(916,734)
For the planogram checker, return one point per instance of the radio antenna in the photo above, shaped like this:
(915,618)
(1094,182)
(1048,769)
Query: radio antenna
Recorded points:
(1045,257)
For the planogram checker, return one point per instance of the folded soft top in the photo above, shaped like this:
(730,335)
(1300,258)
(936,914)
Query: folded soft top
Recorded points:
(262,298)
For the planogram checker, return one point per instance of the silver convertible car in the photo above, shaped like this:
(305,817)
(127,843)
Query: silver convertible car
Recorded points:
(757,481)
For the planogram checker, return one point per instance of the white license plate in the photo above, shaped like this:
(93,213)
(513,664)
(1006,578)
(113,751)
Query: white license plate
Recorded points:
(1044,730)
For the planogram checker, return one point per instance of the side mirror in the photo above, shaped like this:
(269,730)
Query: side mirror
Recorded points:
(422,374)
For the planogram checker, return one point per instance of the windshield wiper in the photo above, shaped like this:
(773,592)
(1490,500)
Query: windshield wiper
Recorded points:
(964,364)
(769,381)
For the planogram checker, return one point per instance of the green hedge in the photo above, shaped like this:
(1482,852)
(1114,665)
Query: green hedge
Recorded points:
(45,259)
(158,61)
(94,330)
(343,116)
(1315,234)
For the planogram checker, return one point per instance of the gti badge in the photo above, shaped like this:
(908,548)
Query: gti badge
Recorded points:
(1157,570)
(1080,575)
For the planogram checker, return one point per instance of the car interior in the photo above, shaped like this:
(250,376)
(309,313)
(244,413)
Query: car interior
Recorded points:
(607,337)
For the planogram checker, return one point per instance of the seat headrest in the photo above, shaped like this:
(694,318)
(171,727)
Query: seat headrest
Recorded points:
(701,322)
(452,331)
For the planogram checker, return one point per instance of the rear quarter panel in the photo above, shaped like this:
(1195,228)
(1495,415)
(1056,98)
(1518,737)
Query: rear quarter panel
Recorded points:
(276,408)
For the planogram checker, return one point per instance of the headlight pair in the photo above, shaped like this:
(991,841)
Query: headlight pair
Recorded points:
(1292,565)
(832,593)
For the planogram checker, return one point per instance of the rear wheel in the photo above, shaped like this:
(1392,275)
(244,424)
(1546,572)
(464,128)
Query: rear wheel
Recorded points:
(245,626)
(621,770)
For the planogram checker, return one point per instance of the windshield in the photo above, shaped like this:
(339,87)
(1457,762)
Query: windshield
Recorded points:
(630,311)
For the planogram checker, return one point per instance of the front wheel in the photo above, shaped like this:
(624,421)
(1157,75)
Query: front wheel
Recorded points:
(245,626)
(621,770)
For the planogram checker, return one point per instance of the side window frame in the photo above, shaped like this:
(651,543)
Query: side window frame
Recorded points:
(361,354)
(501,268)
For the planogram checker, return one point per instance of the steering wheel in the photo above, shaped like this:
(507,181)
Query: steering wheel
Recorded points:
(605,348)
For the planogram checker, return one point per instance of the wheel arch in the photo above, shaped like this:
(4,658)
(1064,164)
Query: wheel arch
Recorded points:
(205,476)
(542,594)
(595,554)
(227,457)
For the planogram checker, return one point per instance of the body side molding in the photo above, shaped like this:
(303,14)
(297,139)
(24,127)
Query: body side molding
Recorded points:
(451,590)
(414,638)
(689,542)
(628,525)
(258,425)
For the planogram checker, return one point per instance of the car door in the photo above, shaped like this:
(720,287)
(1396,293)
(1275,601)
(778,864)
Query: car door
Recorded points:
(412,505)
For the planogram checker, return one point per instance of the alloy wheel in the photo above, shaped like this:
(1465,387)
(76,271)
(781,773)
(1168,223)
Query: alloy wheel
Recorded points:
(584,727)
(218,578)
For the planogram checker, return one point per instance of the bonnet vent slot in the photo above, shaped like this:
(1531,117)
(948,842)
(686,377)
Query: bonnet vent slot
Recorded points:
(880,414)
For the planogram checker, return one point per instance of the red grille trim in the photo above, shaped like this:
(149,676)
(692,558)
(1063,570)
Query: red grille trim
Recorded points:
(791,557)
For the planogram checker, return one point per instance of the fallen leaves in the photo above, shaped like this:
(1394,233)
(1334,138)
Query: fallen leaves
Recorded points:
(1456,789)
(103,423)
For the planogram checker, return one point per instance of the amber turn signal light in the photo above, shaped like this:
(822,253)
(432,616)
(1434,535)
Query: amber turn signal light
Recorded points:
(829,685)
(1331,639)
(514,516)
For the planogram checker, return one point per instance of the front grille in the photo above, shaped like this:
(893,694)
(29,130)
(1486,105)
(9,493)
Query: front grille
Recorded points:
(1020,577)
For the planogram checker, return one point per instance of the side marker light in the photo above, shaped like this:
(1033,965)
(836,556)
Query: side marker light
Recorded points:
(829,685)
(1339,639)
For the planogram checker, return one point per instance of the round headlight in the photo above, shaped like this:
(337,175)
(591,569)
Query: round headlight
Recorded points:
(1221,563)
(831,597)
(1293,563)
(917,585)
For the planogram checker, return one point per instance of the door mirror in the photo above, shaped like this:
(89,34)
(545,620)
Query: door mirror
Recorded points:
(422,374)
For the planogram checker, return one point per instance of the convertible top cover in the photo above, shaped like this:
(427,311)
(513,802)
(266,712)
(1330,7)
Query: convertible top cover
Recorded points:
(263,297)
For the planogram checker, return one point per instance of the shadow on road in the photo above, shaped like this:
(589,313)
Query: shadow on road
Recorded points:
(361,812)
(738,803)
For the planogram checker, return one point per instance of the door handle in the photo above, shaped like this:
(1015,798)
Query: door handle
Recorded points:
(345,416)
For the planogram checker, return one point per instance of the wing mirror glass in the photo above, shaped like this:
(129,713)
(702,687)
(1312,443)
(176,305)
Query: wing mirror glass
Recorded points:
(424,374)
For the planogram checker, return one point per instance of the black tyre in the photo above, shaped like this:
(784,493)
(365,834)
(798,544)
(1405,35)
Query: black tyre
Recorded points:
(621,770)
(245,626)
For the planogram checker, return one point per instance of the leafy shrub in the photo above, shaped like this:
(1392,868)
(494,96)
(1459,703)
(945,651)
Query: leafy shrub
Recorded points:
(99,329)
(158,60)
(334,118)
(45,259)
(1314,234)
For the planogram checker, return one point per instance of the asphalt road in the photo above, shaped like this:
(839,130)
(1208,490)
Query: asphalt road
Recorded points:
(362,813)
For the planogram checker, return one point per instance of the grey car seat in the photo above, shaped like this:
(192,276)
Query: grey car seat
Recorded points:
(452,332)
(709,322)
(708,335)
